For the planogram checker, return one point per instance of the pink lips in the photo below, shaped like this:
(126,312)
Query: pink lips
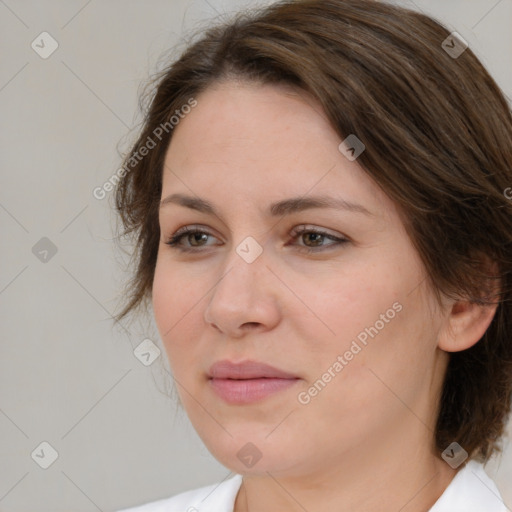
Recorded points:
(247,382)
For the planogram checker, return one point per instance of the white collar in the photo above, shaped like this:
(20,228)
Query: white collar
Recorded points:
(471,490)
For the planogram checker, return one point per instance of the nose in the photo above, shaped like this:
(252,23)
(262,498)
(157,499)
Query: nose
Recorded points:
(244,299)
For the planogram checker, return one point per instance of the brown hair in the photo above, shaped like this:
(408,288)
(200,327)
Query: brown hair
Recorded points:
(438,137)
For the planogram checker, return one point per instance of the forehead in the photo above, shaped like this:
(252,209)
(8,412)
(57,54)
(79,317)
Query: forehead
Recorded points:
(241,118)
(261,142)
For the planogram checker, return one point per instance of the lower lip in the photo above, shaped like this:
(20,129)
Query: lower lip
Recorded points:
(250,390)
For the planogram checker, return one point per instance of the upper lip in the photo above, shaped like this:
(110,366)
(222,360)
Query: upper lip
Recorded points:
(246,370)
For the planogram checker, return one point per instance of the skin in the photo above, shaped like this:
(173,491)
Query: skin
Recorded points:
(366,440)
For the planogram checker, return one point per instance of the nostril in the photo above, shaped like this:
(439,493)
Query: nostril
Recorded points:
(251,324)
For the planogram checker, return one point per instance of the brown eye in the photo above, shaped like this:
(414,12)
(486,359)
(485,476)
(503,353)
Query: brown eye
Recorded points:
(313,239)
(194,237)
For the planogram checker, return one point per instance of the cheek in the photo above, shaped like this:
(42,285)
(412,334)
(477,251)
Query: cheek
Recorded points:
(369,314)
(355,300)
(386,338)
(174,304)
(164,299)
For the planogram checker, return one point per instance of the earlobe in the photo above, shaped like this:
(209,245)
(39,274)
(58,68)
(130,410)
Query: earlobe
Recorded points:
(465,325)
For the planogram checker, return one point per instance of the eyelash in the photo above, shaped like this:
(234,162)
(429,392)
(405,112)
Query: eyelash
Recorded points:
(175,239)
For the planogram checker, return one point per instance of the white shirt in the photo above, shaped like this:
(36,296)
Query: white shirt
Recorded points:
(471,490)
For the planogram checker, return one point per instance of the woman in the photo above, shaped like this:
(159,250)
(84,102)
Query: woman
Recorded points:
(317,197)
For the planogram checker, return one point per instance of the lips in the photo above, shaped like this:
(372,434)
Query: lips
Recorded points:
(247,382)
(247,370)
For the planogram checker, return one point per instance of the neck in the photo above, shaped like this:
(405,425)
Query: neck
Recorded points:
(412,482)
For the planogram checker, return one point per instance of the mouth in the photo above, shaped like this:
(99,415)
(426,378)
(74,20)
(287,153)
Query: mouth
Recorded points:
(248,382)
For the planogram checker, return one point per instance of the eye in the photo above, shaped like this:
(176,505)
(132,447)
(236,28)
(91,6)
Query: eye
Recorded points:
(313,238)
(191,234)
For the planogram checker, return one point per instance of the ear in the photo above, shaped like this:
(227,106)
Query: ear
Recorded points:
(467,321)
(465,325)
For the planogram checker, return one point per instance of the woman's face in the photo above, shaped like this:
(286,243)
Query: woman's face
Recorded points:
(352,321)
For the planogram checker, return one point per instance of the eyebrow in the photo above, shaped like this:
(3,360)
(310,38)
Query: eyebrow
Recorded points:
(280,208)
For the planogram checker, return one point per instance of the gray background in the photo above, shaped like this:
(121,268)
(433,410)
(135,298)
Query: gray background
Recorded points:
(67,375)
